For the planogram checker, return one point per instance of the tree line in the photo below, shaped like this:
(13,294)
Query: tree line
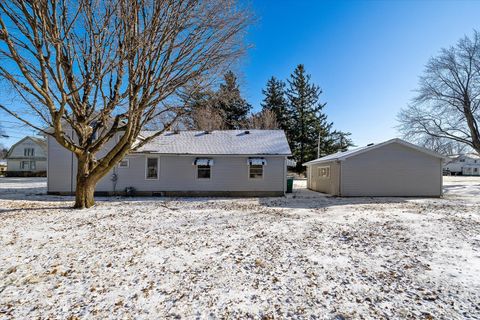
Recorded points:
(293,106)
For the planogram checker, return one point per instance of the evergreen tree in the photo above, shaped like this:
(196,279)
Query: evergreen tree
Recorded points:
(231,103)
(276,102)
(310,132)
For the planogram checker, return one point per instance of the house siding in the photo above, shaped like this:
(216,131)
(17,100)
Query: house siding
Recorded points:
(316,183)
(176,174)
(61,166)
(392,170)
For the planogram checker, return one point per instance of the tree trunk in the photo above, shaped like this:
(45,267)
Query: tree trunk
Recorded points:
(84,193)
(85,185)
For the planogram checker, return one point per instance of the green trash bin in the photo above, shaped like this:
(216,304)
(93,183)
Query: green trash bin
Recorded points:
(289,184)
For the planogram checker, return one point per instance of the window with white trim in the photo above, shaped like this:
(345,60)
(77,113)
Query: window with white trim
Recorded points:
(125,163)
(29,152)
(152,168)
(255,171)
(324,172)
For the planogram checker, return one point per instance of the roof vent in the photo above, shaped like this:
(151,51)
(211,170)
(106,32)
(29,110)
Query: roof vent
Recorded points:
(247,132)
(370,144)
(206,132)
(176,131)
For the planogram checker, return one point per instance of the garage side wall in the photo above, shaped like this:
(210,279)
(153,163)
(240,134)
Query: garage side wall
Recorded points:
(318,183)
(392,170)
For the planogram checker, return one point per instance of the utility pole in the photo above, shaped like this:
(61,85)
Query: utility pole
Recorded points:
(318,146)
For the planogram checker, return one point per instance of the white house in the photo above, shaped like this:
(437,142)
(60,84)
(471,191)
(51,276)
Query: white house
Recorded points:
(391,168)
(27,157)
(225,163)
(464,164)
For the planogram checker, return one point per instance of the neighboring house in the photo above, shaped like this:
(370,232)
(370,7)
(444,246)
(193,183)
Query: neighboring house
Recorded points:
(464,164)
(391,168)
(27,157)
(226,163)
(3,167)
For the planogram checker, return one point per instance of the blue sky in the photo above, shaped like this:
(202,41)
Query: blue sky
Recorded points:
(366,55)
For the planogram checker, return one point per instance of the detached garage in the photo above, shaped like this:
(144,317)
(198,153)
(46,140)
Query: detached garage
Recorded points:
(394,168)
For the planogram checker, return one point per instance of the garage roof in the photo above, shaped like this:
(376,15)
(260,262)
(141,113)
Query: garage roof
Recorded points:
(340,156)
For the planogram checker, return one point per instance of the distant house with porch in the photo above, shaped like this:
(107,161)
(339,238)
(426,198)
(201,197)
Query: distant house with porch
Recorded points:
(464,164)
(27,157)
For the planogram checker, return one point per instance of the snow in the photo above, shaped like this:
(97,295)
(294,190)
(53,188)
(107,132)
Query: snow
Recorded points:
(307,255)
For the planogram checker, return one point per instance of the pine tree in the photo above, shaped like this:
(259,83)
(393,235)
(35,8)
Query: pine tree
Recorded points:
(230,101)
(276,102)
(310,130)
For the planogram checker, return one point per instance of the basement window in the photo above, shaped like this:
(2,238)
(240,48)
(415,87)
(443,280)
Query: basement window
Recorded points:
(324,172)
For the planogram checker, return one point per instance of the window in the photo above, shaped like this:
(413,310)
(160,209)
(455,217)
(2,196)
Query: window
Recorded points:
(27,165)
(475,170)
(256,171)
(462,160)
(203,172)
(29,152)
(152,168)
(324,172)
(125,163)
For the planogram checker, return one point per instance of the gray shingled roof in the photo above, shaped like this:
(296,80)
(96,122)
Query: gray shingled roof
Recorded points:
(350,153)
(219,142)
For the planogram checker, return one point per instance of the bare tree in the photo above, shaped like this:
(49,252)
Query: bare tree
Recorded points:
(102,67)
(265,119)
(448,100)
(442,145)
(203,112)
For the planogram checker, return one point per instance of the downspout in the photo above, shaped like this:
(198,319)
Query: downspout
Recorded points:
(441,177)
(339,178)
(284,176)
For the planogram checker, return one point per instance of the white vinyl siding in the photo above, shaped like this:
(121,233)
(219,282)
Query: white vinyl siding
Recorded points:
(392,170)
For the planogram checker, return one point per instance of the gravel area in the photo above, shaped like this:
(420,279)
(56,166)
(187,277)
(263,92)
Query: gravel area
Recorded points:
(304,256)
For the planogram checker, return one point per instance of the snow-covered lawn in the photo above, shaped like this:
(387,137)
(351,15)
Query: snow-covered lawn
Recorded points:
(303,256)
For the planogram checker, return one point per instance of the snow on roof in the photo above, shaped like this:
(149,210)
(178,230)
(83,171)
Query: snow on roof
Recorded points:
(219,142)
(346,154)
